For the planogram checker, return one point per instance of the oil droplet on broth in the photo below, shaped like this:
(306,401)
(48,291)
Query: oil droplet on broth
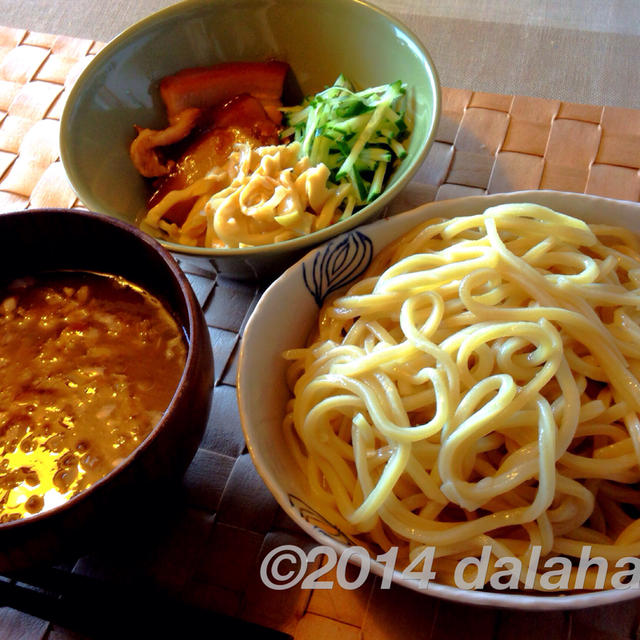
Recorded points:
(74,350)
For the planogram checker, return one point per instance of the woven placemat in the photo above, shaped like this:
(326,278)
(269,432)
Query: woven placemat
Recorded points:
(205,559)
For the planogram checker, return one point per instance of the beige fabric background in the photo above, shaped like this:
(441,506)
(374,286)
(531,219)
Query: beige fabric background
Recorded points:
(585,51)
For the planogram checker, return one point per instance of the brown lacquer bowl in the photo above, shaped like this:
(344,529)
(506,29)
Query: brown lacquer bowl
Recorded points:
(52,239)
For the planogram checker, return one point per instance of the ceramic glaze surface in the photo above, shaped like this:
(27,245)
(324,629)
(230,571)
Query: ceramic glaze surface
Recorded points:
(270,332)
(319,41)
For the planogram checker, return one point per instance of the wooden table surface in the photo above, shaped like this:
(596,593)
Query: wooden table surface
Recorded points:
(203,563)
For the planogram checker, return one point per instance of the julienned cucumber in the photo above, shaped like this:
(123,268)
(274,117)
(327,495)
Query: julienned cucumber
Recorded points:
(357,134)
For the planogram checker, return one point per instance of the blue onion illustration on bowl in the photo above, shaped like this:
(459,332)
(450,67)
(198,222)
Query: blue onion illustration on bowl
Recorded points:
(318,521)
(338,264)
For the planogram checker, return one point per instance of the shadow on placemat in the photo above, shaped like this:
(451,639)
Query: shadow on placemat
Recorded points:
(89,607)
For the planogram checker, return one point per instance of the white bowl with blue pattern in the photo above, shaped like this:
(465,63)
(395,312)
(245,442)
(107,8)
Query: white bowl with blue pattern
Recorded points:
(285,315)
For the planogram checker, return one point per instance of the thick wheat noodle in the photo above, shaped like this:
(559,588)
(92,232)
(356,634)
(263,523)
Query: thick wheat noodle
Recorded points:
(257,196)
(476,387)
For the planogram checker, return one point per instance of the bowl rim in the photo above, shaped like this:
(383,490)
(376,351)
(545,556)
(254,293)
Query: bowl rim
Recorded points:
(500,599)
(149,22)
(180,283)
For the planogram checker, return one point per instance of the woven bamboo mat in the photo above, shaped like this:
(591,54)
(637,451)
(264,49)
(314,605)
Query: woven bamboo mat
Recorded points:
(205,560)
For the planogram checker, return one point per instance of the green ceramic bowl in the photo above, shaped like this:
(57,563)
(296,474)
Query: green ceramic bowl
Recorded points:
(318,38)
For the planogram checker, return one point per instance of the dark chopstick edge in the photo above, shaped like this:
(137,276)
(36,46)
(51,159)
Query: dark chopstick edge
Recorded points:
(86,606)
